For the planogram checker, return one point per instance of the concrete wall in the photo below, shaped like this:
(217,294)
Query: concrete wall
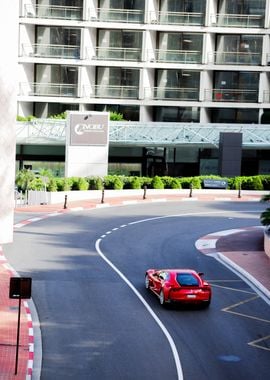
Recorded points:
(8,109)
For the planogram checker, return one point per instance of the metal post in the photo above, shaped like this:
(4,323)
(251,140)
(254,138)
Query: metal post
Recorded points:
(18,336)
(144,191)
(239,190)
(190,190)
(65,203)
(102,194)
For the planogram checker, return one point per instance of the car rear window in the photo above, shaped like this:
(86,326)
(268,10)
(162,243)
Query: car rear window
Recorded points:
(187,279)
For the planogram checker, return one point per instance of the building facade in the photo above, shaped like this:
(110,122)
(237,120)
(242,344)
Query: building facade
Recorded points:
(161,61)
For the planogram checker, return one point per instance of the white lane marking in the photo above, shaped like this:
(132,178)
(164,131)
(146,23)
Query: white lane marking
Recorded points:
(148,308)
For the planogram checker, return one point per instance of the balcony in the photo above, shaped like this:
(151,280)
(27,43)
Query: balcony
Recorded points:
(118,15)
(48,89)
(111,92)
(117,54)
(172,93)
(50,51)
(178,56)
(52,12)
(238,20)
(177,18)
(235,58)
(232,95)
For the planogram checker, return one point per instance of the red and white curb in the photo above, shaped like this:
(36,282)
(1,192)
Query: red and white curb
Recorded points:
(208,246)
(8,268)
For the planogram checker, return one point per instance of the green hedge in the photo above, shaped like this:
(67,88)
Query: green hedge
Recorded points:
(26,179)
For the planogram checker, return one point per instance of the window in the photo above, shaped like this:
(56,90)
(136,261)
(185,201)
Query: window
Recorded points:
(187,279)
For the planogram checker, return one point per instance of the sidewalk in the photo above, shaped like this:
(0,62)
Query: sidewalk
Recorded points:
(241,250)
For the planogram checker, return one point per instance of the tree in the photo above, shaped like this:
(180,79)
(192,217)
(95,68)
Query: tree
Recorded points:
(265,215)
(24,178)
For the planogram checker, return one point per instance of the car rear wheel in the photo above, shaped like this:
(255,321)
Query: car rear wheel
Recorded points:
(146,282)
(206,303)
(162,298)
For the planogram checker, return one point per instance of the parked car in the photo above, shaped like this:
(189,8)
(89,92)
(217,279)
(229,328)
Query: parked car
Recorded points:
(178,285)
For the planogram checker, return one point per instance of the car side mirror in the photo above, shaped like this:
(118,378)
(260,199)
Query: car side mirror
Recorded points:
(201,274)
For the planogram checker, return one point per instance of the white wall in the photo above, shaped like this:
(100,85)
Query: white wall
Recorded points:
(8,86)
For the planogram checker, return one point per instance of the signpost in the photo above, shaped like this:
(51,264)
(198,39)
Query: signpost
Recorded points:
(19,288)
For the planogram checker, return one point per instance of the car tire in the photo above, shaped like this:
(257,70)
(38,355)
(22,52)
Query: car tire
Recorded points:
(146,282)
(206,304)
(162,298)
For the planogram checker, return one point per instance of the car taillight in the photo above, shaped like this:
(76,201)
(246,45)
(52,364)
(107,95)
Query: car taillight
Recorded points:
(206,288)
(175,289)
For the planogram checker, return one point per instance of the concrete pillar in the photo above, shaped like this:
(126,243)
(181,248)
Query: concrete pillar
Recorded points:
(8,108)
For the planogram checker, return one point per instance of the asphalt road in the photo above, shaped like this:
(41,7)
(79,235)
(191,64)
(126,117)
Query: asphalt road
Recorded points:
(99,322)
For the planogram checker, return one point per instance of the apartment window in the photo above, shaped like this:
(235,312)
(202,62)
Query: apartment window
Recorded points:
(58,42)
(121,11)
(177,84)
(122,4)
(129,112)
(234,115)
(180,47)
(242,7)
(245,13)
(55,80)
(119,45)
(239,49)
(236,86)
(177,114)
(186,12)
(117,82)
(183,6)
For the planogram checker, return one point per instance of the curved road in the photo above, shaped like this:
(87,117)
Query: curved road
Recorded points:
(99,322)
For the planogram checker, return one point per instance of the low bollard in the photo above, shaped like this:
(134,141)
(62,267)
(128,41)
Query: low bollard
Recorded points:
(190,190)
(102,195)
(144,192)
(239,191)
(65,203)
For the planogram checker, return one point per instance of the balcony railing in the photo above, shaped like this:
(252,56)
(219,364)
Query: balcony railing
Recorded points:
(172,93)
(111,92)
(235,58)
(117,54)
(177,18)
(117,15)
(178,56)
(50,51)
(54,12)
(232,95)
(239,20)
(48,89)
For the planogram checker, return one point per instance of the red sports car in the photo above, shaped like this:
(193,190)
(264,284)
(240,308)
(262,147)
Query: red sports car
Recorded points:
(178,285)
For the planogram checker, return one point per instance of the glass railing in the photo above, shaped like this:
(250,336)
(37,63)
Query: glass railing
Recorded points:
(177,18)
(118,54)
(109,91)
(178,56)
(232,95)
(240,20)
(51,51)
(172,93)
(235,58)
(55,12)
(118,15)
(48,89)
